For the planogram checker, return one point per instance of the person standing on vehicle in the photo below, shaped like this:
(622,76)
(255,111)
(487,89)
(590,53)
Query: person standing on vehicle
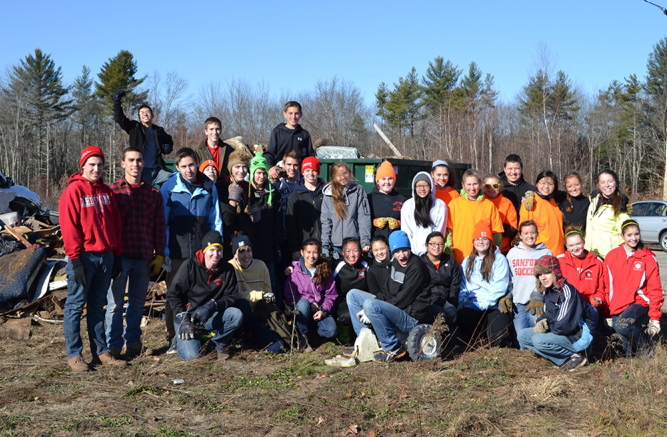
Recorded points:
(213,148)
(286,137)
(142,218)
(150,139)
(91,229)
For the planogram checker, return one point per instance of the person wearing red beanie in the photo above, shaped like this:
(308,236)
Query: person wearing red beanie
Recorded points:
(91,229)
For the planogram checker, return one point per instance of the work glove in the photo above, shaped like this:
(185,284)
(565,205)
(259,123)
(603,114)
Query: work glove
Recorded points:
(529,200)
(505,304)
(118,97)
(235,193)
(326,252)
(596,302)
(380,222)
(269,297)
(155,265)
(541,327)
(535,305)
(167,148)
(185,329)
(653,327)
(204,312)
(393,223)
(79,272)
(254,211)
(361,316)
(166,264)
(117,267)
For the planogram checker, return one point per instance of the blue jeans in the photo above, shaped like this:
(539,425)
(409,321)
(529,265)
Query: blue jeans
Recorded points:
(523,319)
(98,267)
(135,276)
(556,348)
(325,328)
(630,326)
(223,323)
(387,319)
(355,302)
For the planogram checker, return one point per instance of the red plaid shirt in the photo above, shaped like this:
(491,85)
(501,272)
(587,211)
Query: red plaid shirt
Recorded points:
(142,216)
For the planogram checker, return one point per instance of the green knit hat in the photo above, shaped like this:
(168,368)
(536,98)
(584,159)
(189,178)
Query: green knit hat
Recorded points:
(259,161)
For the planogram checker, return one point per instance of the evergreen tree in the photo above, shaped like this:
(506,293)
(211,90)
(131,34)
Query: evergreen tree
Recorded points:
(656,89)
(88,108)
(438,83)
(119,73)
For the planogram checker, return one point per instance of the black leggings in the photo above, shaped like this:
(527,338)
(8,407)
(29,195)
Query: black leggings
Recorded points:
(494,324)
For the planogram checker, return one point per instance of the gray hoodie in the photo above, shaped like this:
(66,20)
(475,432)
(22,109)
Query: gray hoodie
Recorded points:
(357,223)
(522,260)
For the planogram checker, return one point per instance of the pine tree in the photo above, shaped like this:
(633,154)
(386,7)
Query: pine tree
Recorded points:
(656,89)
(119,73)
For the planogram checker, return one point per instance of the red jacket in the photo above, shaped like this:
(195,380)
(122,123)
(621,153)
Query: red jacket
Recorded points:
(587,275)
(89,218)
(633,279)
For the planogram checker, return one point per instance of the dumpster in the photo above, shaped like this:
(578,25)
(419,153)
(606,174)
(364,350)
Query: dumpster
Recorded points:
(363,171)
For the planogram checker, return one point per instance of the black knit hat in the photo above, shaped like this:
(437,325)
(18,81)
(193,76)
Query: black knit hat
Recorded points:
(212,238)
(240,241)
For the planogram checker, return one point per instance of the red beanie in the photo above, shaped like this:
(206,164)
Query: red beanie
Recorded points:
(312,163)
(88,152)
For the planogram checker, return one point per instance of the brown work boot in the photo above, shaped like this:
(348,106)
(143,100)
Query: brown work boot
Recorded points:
(134,350)
(77,364)
(108,360)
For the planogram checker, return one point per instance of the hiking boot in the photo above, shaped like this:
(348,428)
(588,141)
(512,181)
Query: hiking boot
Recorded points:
(390,356)
(108,360)
(575,362)
(115,352)
(352,352)
(77,364)
(134,350)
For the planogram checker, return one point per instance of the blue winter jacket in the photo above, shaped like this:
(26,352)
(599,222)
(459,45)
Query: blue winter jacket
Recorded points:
(478,294)
(189,216)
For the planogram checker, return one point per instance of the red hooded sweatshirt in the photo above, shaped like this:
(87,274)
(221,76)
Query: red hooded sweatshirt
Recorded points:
(89,217)
(587,275)
(633,279)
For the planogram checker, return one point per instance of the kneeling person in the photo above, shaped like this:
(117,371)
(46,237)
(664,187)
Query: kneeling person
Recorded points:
(202,295)
(400,302)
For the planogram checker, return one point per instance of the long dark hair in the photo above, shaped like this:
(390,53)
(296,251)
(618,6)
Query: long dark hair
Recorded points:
(547,174)
(487,263)
(617,197)
(323,267)
(423,207)
(626,224)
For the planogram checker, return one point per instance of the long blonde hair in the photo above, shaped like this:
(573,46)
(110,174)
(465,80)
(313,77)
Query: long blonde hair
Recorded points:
(338,189)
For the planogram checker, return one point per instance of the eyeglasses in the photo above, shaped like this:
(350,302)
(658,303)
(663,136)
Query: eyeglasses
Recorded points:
(144,112)
(494,186)
(436,244)
(422,186)
(546,184)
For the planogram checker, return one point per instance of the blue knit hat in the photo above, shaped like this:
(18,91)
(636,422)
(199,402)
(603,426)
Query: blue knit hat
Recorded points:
(398,240)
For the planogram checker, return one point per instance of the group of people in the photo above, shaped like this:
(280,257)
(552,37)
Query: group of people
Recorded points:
(262,250)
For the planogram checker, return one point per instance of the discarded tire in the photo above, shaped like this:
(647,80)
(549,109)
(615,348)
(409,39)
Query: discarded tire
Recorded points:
(422,344)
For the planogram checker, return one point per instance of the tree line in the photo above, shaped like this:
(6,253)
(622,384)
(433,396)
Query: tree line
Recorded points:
(447,112)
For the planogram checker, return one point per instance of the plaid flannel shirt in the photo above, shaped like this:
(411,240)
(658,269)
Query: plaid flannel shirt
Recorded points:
(142,216)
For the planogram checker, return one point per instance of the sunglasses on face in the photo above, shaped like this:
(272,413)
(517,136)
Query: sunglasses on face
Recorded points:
(494,186)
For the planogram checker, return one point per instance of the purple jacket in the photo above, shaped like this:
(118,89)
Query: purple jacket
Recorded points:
(299,285)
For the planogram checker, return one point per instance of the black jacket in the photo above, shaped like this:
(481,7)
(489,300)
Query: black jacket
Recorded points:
(194,285)
(579,207)
(138,133)
(267,233)
(407,287)
(349,277)
(302,218)
(445,281)
(284,140)
(515,192)
(564,309)
(384,205)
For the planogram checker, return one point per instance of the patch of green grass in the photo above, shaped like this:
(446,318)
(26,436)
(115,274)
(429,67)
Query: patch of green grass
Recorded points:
(114,422)
(295,414)
(169,432)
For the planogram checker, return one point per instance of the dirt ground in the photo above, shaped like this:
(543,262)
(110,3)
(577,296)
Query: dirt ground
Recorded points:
(481,392)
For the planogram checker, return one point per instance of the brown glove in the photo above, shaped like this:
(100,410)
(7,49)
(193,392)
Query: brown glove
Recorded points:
(529,200)
(541,327)
(505,304)
(380,222)
(253,210)
(393,223)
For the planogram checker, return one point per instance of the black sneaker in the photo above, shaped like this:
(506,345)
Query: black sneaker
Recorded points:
(575,362)
(352,352)
(390,356)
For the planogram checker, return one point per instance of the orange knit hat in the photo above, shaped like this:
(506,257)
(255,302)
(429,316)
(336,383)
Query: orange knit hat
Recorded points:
(208,162)
(482,230)
(385,170)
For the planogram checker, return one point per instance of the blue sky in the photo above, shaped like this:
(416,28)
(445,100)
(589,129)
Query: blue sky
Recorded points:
(290,46)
